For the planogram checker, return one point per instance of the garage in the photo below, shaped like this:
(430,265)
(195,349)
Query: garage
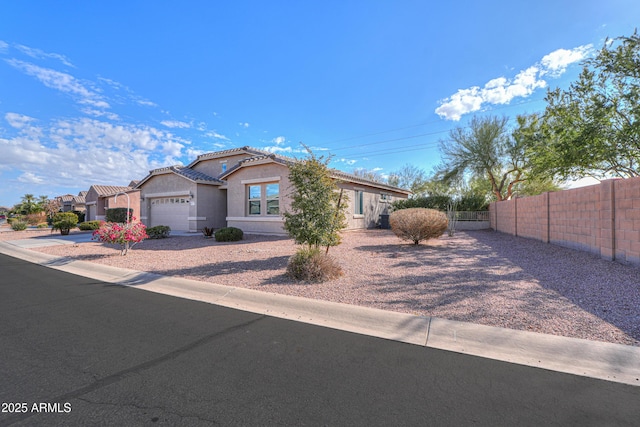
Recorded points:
(171,211)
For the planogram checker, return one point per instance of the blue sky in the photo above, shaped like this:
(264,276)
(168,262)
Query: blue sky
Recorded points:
(102,92)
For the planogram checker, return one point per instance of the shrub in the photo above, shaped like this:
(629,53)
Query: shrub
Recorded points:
(229,234)
(159,232)
(18,225)
(43,225)
(89,225)
(64,221)
(36,218)
(118,215)
(313,265)
(207,231)
(417,224)
(432,202)
(126,235)
(80,214)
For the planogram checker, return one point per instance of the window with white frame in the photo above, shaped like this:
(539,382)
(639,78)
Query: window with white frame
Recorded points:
(223,165)
(273,199)
(384,197)
(358,202)
(263,199)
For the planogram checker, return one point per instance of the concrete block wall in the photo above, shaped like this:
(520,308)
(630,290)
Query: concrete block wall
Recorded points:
(627,220)
(603,219)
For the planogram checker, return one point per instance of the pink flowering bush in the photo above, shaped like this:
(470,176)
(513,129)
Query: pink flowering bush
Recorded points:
(126,235)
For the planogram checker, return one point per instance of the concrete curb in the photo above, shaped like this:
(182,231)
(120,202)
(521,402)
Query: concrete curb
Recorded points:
(607,361)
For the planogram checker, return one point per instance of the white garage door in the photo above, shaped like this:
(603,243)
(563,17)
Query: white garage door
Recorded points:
(171,211)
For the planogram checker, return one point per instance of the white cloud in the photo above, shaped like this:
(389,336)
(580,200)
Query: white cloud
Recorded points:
(63,82)
(279,140)
(556,62)
(82,152)
(175,124)
(99,113)
(38,54)
(216,135)
(4,46)
(502,90)
(145,102)
(349,162)
(30,178)
(18,121)
(278,149)
(244,125)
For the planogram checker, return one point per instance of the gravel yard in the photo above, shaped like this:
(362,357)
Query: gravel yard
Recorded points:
(481,276)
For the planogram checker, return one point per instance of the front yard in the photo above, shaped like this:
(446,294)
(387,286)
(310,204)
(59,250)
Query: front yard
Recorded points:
(481,276)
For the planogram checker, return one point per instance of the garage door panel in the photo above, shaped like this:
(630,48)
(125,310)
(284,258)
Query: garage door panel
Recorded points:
(171,211)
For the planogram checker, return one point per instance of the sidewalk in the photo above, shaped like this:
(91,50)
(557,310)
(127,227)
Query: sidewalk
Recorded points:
(611,362)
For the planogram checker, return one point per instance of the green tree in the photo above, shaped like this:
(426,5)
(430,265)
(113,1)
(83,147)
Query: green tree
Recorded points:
(484,149)
(317,212)
(593,128)
(29,204)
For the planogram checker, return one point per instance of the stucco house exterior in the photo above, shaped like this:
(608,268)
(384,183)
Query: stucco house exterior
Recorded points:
(100,198)
(69,202)
(246,188)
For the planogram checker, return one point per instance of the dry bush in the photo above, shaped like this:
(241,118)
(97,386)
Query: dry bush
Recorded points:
(313,265)
(417,224)
(36,218)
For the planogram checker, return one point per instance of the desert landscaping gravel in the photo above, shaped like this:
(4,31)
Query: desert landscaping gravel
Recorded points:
(482,277)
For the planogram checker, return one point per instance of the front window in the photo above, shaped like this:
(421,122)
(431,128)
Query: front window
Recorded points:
(359,203)
(273,199)
(263,199)
(255,197)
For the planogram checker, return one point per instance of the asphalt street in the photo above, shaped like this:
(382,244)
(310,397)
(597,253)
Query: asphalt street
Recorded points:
(77,351)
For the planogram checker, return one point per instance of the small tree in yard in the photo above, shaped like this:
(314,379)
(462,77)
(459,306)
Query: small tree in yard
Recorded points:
(64,221)
(125,235)
(417,224)
(316,216)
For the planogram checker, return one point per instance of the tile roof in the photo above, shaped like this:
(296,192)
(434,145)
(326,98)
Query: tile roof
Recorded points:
(194,175)
(258,156)
(223,153)
(108,190)
(66,198)
(336,174)
(184,171)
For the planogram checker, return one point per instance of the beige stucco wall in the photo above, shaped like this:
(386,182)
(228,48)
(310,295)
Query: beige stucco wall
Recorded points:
(237,198)
(167,185)
(211,207)
(373,205)
(121,202)
(97,209)
(213,167)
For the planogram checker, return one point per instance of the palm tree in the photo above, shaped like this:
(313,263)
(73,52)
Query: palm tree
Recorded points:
(29,204)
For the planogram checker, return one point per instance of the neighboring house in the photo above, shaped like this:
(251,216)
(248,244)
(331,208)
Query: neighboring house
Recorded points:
(69,202)
(100,198)
(66,202)
(248,189)
(79,203)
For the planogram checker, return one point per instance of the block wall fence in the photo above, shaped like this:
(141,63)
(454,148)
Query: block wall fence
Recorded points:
(603,219)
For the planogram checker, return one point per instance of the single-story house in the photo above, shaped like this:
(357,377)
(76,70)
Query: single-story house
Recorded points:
(66,202)
(79,203)
(100,198)
(246,188)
